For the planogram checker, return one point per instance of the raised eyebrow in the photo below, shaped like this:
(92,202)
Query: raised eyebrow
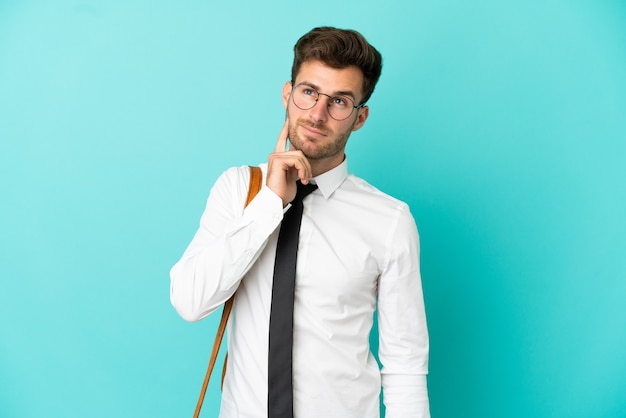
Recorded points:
(334,94)
(305,83)
(344,93)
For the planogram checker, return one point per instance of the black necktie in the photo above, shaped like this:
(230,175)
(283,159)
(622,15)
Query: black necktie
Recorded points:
(280,390)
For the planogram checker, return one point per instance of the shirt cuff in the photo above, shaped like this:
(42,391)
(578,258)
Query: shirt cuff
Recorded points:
(405,396)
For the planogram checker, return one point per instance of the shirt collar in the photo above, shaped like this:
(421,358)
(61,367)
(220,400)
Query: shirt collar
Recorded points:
(330,181)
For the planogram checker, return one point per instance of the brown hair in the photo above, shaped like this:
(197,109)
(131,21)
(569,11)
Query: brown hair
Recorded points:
(339,48)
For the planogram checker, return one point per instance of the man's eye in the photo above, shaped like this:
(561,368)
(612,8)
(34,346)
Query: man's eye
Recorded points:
(338,101)
(308,92)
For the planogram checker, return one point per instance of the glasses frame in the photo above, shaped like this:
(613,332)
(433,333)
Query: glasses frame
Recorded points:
(318,98)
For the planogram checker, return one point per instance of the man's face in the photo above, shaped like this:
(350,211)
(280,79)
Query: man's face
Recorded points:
(314,131)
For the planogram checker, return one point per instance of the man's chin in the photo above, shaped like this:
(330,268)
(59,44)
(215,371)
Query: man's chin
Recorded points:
(309,150)
(310,154)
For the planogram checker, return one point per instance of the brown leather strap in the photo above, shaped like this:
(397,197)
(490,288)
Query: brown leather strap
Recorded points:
(256,182)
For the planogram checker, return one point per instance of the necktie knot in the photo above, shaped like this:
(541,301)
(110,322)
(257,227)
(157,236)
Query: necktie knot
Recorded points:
(303,190)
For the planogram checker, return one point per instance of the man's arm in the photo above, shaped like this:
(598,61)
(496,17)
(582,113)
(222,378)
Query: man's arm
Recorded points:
(225,246)
(403,334)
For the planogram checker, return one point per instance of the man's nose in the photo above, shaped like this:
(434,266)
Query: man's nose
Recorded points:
(319,112)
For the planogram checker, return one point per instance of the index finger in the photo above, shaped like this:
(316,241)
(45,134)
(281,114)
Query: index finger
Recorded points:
(281,144)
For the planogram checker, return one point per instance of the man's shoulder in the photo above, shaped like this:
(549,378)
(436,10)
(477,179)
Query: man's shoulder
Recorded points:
(382,211)
(233,183)
(368,191)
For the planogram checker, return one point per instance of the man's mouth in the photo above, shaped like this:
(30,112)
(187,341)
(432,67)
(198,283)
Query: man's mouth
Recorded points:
(313,130)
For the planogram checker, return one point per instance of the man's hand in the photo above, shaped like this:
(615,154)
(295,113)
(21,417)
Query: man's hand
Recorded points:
(285,167)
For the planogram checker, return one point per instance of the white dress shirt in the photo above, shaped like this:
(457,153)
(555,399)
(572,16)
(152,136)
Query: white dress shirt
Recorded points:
(358,251)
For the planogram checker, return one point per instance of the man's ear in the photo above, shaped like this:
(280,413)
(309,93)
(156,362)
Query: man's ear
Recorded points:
(286,93)
(362,115)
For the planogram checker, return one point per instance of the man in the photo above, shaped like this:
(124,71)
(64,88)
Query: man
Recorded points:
(357,251)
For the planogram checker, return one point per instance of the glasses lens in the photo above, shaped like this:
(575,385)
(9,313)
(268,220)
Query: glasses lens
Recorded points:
(304,97)
(339,107)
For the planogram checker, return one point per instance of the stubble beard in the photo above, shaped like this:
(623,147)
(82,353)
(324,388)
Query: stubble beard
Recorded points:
(315,149)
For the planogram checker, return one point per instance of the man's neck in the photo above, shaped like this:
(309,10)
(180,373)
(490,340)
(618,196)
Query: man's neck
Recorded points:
(323,165)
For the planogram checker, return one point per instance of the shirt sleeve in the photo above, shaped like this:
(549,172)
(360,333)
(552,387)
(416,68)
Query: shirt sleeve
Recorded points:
(226,245)
(403,334)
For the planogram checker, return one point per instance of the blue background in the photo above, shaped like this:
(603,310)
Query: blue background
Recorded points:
(502,124)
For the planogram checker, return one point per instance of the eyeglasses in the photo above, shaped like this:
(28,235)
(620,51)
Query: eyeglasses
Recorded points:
(339,107)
